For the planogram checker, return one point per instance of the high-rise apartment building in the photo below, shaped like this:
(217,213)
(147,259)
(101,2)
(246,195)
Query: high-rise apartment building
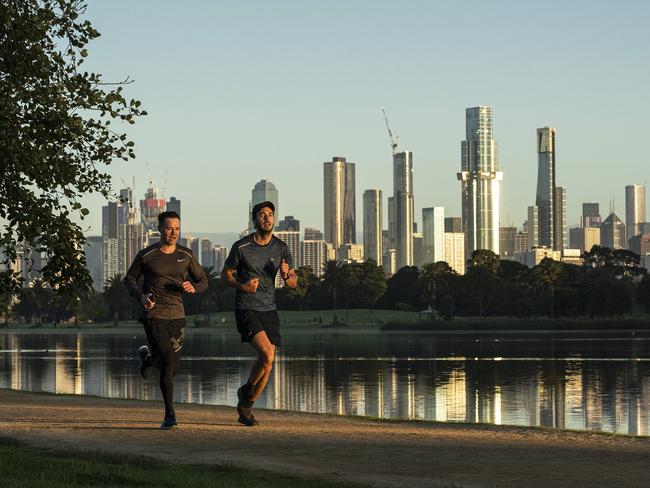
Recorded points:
(389,261)
(134,230)
(93,250)
(418,250)
(634,209)
(612,232)
(584,238)
(174,205)
(455,251)
(114,219)
(150,207)
(591,215)
(433,233)
(312,234)
(403,207)
(453,224)
(372,226)
(533,227)
(507,237)
(289,223)
(292,239)
(391,223)
(351,253)
(314,253)
(263,191)
(640,244)
(521,242)
(220,255)
(339,204)
(480,177)
(560,226)
(207,253)
(545,199)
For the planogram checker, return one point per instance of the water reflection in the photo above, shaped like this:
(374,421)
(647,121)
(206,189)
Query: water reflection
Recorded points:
(594,385)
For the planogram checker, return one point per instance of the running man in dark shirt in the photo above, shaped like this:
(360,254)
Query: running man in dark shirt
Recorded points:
(166,268)
(251,267)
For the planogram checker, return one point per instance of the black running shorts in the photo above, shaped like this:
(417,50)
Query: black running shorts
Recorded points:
(250,322)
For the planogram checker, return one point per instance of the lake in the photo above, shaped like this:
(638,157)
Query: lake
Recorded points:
(573,383)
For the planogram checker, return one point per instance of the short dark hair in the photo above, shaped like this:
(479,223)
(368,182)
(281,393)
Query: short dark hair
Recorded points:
(169,214)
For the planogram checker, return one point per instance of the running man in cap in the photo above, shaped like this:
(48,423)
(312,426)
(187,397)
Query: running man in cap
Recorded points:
(166,267)
(251,267)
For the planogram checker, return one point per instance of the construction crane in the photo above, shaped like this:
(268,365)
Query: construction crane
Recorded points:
(394,139)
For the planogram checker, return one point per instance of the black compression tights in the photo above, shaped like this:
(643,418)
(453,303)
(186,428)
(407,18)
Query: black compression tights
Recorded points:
(166,341)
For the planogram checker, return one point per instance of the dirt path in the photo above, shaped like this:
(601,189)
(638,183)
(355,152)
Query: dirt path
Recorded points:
(412,454)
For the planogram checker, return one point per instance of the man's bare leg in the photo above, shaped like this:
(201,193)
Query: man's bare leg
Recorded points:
(264,364)
(258,378)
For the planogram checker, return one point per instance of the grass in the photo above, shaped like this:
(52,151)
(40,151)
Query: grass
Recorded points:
(23,466)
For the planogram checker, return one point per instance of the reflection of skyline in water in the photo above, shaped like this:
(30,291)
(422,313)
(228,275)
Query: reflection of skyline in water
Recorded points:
(604,386)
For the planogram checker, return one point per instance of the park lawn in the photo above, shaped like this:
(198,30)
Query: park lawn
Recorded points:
(22,466)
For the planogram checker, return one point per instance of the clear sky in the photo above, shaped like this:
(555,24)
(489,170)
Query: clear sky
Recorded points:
(240,91)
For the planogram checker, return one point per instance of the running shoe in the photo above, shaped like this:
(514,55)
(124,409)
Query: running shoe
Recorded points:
(146,361)
(168,423)
(247,420)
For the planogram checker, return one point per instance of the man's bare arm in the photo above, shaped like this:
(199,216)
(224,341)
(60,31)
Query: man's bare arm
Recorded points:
(228,275)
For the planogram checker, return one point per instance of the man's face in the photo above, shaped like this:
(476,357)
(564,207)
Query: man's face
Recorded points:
(170,230)
(265,219)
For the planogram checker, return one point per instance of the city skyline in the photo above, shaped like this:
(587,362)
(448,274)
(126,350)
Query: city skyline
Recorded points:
(281,124)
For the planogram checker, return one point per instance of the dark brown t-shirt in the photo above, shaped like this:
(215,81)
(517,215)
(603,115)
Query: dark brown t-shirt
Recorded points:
(163,276)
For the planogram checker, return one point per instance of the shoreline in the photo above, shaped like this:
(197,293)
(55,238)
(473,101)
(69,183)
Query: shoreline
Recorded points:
(308,329)
(366,450)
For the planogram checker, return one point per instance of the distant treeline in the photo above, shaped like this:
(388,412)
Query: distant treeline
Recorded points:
(608,283)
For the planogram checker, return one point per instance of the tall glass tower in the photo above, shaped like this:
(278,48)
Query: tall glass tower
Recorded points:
(479,177)
(339,202)
(546,185)
(403,207)
(263,191)
(372,226)
(634,209)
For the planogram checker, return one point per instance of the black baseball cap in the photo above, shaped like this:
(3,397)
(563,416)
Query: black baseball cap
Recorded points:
(260,206)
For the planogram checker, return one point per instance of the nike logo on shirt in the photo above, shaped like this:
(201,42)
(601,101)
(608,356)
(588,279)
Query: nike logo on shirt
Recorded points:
(180,260)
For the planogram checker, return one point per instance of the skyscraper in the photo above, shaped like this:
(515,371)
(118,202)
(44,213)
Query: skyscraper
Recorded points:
(312,234)
(591,215)
(634,209)
(150,207)
(134,230)
(560,226)
(93,250)
(339,205)
(533,227)
(289,223)
(403,207)
(433,234)
(612,232)
(314,253)
(479,179)
(454,251)
(114,218)
(372,225)
(545,200)
(174,205)
(453,224)
(263,191)
(507,238)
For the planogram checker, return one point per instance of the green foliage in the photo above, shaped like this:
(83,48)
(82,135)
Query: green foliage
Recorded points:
(55,135)
(117,297)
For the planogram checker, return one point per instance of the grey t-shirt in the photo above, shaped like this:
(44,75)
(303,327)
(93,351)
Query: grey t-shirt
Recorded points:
(250,260)
(163,276)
